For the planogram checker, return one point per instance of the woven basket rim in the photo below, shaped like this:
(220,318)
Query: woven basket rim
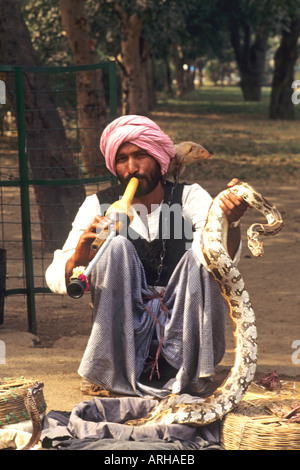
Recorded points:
(12,394)
(7,384)
(255,424)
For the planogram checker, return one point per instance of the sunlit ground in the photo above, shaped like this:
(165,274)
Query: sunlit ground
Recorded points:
(236,131)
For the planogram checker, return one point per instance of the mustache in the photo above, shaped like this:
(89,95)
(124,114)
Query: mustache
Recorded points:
(138,176)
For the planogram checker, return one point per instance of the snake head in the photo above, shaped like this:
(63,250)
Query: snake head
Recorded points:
(256,248)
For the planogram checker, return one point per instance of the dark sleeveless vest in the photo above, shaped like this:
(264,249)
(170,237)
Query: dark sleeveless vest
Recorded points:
(177,233)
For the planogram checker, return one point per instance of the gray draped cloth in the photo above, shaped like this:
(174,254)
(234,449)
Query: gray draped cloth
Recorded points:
(188,323)
(100,424)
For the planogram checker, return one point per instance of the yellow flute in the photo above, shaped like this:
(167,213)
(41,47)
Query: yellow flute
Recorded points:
(119,207)
(79,280)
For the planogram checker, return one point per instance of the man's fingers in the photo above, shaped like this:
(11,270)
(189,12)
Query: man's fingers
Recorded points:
(233,182)
(232,206)
(103,223)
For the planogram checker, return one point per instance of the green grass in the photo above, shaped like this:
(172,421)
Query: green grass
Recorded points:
(240,134)
(210,99)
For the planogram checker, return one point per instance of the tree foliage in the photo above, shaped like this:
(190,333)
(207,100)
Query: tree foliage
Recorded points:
(48,37)
(173,32)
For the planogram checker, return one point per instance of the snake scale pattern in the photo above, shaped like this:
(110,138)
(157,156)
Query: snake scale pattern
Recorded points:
(172,409)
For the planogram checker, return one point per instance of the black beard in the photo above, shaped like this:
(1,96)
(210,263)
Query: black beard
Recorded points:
(147,183)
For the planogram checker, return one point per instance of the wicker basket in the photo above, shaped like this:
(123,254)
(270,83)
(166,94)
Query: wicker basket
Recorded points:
(256,423)
(12,394)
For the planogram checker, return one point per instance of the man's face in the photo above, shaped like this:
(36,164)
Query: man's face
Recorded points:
(134,161)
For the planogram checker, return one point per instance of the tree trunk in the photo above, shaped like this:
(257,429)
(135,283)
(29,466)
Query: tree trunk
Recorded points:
(199,66)
(152,100)
(92,114)
(281,105)
(250,59)
(189,77)
(168,76)
(133,61)
(177,58)
(44,130)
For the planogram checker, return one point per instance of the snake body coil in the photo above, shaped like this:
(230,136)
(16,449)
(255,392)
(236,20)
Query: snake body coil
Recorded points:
(171,409)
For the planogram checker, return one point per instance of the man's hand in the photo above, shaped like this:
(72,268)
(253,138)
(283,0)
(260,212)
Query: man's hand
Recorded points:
(233,207)
(83,253)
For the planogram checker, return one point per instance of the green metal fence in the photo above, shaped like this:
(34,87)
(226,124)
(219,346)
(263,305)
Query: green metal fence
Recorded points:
(23,270)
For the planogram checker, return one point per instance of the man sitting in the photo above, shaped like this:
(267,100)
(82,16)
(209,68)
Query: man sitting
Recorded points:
(157,310)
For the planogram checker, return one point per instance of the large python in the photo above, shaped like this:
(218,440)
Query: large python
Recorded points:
(176,408)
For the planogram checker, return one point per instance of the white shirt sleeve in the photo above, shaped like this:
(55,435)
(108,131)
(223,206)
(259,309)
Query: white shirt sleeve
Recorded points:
(196,202)
(55,273)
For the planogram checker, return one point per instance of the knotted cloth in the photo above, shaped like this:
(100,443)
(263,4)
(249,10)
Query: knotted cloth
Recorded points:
(140,131)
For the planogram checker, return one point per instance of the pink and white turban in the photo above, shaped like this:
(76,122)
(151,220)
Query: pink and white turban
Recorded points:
(140,131)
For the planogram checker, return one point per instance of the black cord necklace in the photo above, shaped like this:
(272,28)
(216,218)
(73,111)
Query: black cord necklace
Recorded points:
(164,240)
